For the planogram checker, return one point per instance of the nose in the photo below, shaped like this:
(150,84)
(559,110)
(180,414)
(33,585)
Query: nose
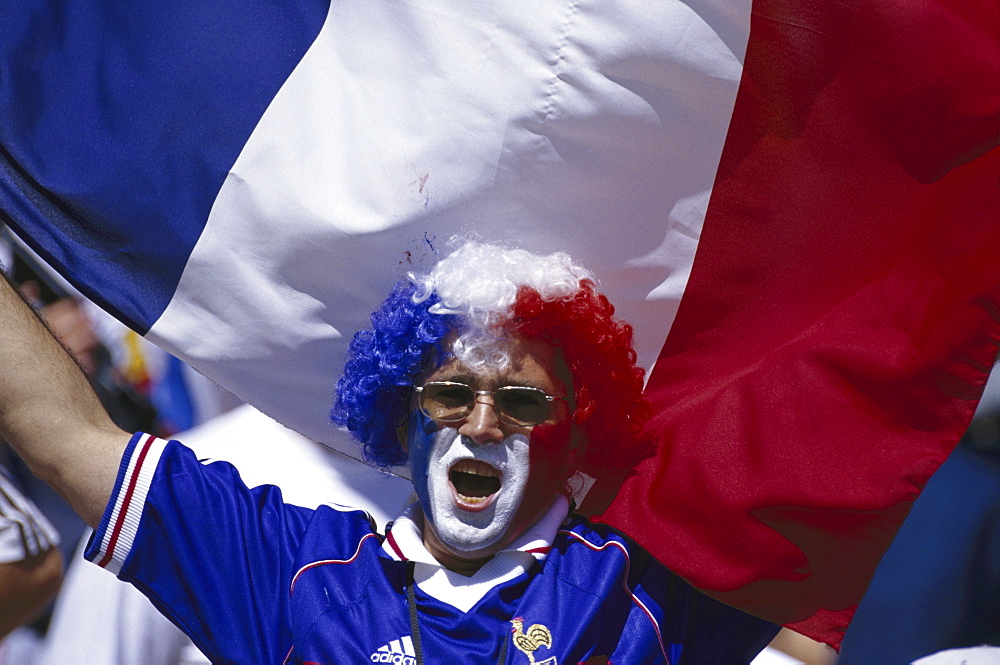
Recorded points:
(482,425)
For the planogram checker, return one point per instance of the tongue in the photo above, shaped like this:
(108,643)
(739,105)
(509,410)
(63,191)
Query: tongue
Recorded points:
(469,484)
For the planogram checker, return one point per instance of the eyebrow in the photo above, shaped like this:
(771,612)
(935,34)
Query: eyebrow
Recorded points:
(458,378)
(473,381)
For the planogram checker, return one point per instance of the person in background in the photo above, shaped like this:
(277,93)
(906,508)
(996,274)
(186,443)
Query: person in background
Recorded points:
(30,562)
(938,586)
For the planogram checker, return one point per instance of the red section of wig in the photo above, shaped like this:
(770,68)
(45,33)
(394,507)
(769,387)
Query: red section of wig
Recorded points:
(607,384)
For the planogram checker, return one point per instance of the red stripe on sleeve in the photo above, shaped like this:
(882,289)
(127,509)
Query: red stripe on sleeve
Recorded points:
(126,500)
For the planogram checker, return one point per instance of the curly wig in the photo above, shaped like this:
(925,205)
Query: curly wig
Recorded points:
(478,297)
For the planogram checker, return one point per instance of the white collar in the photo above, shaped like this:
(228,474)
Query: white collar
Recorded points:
(405,543)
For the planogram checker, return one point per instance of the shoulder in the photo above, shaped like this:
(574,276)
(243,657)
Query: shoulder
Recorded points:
(337,559)
(591,556)
(610,563)
(580,538)
(338,532)
(579,527)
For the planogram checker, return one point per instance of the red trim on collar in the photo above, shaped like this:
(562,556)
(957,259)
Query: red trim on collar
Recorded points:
(395,547)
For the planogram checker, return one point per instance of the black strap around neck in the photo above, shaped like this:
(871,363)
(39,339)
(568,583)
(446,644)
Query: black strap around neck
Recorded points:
(411,602)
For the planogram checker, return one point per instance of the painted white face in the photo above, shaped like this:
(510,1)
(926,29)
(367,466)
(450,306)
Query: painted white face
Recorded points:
(460,475)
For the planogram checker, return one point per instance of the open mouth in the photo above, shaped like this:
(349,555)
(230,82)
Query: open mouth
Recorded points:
(475,483)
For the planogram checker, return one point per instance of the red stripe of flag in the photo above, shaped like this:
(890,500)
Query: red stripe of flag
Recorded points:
(843,310)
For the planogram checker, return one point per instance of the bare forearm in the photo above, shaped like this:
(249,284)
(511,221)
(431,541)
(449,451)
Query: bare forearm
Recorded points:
(49,413)
(25,587)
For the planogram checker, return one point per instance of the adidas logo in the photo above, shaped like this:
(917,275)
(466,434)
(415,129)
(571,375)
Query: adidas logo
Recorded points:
(397,652)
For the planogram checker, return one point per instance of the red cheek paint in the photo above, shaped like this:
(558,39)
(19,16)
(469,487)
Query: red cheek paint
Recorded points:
(549,452)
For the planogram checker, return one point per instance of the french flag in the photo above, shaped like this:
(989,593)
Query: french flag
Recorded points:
(802,194)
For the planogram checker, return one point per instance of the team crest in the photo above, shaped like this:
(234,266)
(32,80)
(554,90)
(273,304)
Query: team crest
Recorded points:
(529,641)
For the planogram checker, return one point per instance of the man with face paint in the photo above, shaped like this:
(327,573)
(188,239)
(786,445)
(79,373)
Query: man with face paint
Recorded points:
(503,381)
(476,478)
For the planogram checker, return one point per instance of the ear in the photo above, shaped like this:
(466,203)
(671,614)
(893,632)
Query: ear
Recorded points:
(31,292)
(403,424)
(402,434)
(578,442)
(577,447)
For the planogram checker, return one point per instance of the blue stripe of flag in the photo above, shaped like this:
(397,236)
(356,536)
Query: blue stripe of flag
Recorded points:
(119,121)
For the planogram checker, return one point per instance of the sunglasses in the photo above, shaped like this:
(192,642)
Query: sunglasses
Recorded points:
(450,402)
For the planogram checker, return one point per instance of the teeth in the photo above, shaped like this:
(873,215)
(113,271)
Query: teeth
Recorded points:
(475,468)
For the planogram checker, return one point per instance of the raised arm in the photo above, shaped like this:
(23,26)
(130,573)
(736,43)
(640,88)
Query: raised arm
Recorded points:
(49,413)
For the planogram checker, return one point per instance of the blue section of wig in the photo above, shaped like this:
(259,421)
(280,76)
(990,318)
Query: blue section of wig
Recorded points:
(372,396)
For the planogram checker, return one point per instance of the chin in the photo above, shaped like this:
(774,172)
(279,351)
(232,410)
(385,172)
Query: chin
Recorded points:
(464,537)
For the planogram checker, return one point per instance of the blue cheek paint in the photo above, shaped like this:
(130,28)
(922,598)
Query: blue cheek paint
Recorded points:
(421,435)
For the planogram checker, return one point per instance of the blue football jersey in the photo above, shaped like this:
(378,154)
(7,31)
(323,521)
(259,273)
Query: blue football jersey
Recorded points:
(254,580)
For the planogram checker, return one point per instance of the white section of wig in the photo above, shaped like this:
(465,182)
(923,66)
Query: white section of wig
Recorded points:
(478,282)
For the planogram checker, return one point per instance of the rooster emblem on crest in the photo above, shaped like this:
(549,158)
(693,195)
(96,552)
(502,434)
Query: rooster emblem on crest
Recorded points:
(527,642)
